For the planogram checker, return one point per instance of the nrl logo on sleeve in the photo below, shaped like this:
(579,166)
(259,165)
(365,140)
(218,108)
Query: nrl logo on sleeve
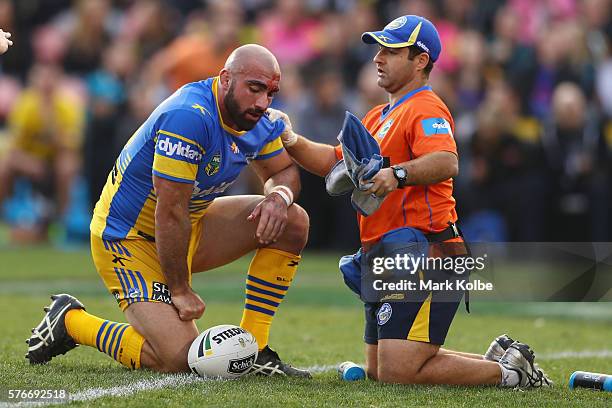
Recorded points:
(213,165)
(385,128)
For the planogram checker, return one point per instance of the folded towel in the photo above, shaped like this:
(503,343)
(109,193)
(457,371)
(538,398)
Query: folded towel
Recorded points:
(362,160)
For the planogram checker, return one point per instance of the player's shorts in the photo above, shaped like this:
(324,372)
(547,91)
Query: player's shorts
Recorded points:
(131,271)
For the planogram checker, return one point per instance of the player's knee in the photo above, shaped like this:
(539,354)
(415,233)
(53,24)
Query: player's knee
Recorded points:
(391,374)
(174,364)
(171,358)
(298,224)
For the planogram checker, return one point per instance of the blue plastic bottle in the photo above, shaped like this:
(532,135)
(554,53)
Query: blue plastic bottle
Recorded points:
(349,371)
(594,381)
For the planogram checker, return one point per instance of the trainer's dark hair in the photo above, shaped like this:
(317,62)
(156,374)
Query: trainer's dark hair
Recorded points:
(413,51)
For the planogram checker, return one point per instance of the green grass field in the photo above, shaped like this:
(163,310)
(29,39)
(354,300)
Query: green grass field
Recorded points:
(319,325)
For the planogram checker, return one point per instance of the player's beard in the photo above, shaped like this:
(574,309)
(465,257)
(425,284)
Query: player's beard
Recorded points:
(237,115)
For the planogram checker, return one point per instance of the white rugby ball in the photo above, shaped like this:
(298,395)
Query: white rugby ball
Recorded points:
(224,351)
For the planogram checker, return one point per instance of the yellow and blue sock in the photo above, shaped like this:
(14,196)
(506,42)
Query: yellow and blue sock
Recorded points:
(270,275)
(119,340)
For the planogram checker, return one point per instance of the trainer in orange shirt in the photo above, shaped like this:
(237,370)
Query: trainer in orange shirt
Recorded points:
(417,124)
(415,130)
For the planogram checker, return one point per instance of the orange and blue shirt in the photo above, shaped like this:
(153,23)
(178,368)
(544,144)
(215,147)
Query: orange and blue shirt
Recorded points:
(183,140)
(417,124)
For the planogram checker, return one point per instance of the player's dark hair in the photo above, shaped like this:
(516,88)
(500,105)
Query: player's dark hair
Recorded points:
(413,52)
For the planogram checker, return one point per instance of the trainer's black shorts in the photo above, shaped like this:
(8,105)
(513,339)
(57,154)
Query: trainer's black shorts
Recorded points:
(426,317)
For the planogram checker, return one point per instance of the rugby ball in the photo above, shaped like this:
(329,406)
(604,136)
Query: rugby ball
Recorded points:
(224,351)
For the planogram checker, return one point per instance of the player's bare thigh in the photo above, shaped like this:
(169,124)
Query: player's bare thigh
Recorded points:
(167,337)
(227,234)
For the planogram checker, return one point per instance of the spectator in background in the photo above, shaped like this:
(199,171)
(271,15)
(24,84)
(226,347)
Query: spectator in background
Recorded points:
(368,92)
(107,88)
(562,56)
(576,160)
(289,33)
(150,24)
(509,54)
(322,118)
(5,41)
(88,33)
(200,52)
(17,62)
(503,176)
(45,126)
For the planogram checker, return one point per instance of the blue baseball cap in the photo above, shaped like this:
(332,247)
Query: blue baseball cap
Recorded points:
(405,31)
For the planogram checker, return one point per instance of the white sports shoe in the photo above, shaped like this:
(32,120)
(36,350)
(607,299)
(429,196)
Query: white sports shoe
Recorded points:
(498,347)
(520,358)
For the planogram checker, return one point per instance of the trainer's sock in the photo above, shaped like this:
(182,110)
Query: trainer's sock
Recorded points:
(509,378)
(268,280)
(118,340)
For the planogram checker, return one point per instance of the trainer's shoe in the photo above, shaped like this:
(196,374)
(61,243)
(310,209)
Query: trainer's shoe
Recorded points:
(50,338)
(520,358)
(498,347)
(269,363)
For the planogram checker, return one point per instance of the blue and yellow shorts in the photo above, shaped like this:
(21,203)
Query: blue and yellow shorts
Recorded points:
(131,271)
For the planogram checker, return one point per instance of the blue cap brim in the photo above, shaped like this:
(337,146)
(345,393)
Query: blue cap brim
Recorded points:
(384,38)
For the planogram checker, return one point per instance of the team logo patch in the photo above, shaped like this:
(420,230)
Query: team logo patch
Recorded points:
(134,293)
(436,126)
(213,165)
(397,23)
(385,128)
(384,314)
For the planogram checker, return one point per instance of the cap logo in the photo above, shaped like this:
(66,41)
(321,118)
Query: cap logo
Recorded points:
(423,46)
(397,23)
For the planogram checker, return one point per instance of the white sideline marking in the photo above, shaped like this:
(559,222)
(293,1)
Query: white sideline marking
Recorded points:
(180,380)
(168,381)
(575,354)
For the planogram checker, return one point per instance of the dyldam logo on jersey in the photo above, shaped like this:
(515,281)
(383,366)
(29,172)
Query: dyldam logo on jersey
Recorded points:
(179,149)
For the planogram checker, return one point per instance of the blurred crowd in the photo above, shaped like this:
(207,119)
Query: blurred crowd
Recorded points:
(529,83)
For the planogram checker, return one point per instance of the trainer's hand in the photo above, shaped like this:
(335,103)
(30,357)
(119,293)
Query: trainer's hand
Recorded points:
(5,43)
(272,213)
(288,137)
(384,183)
(189,304)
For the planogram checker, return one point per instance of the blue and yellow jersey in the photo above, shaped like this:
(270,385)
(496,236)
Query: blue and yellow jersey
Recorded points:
(183,140)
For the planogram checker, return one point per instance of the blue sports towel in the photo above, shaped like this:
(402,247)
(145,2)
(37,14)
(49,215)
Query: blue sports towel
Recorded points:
(362,160)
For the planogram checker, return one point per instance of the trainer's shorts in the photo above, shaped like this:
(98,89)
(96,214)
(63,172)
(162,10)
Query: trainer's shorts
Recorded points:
(131,271)
(426,321)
